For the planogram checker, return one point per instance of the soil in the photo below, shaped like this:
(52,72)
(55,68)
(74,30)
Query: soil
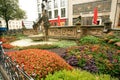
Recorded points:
(59,51)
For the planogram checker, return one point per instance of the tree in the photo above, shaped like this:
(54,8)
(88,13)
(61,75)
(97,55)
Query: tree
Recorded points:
(9,10)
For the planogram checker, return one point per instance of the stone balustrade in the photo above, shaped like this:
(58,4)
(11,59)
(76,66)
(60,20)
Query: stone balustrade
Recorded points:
(64,32)
(75,32)
(96,30)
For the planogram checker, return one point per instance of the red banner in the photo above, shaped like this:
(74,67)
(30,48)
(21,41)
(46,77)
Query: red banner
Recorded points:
(58,20)
(95,16)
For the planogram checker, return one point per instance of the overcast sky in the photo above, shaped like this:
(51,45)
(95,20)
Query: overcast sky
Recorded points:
(30,7)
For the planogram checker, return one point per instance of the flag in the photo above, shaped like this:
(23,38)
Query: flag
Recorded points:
(58,20)
(95,16)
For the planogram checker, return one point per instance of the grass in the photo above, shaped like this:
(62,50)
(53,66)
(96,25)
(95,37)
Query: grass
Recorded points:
(56,44)
(65,43)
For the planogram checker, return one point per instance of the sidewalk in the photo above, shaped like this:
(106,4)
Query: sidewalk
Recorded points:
(28,42)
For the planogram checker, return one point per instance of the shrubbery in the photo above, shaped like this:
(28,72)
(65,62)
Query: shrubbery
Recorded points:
(89,40)
(76,75)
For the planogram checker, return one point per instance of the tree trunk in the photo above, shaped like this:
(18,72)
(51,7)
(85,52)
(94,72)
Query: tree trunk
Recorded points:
(7,24)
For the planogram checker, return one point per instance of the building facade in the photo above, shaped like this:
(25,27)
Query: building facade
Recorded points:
(28,24)
(107,9)
(55,8)
(86,10)
(13,24)
(70,10)
(115,14)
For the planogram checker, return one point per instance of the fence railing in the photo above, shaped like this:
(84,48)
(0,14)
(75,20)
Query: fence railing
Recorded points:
(13,70)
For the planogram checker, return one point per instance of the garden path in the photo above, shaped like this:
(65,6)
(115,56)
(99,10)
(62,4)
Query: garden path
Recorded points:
(28,42)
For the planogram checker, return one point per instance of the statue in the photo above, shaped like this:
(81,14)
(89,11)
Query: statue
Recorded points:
(78,21)
(43,19)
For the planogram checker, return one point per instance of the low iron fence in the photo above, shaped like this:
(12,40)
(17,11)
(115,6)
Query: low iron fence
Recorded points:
(13,70)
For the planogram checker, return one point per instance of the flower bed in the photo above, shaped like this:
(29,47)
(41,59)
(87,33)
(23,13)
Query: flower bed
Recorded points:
(38,63)
(96,56)
(6,42)
(7,46)
(2,39)
(6,39)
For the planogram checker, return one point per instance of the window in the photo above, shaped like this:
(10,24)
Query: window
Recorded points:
(50,14)
(63,12)
(62,3)
(49,5)
(55,13)
(55,3)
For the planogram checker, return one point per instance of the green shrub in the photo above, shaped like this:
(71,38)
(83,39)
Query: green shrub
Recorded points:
(76,75)
(89,40)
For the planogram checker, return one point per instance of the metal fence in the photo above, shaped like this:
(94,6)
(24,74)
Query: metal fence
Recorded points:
(12,69)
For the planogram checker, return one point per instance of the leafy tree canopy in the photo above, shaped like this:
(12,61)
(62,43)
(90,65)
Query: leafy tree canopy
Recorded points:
(9,10)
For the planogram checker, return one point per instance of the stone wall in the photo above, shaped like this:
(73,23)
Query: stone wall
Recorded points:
(29,32)
(64,32)
(116,31)
(96,30)
(75,32)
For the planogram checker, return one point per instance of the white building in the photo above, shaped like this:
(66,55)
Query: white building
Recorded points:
(28,24)
(55,8)
(13,24)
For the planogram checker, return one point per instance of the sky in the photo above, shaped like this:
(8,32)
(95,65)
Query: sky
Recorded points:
(30,7)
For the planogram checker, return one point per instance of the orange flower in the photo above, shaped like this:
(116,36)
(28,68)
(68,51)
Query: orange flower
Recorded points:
(95,47)
(40,62)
